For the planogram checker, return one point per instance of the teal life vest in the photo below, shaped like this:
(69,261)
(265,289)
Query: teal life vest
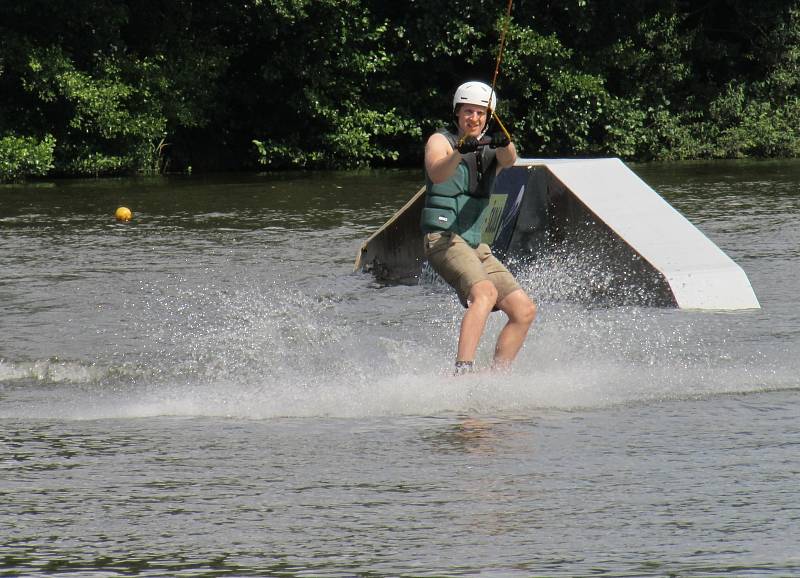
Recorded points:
(458,204)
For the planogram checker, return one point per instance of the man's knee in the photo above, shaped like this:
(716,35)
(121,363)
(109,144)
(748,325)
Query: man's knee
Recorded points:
(528,312)
(519,307)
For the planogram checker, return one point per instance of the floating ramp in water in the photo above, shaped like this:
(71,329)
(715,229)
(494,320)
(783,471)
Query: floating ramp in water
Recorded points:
(636,247)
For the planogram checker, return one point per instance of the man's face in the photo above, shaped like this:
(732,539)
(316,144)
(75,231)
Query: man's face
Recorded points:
(471,118)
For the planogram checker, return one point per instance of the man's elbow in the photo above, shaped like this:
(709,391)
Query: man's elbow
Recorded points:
(438,174)
(507,163)
(507,158)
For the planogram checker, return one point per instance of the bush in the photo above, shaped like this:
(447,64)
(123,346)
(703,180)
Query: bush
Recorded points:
(22,157)
(108,120)
(348,83)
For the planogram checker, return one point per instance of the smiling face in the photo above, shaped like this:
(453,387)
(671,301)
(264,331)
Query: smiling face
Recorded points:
(470,119)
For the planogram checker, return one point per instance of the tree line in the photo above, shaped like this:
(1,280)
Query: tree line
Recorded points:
(113,87)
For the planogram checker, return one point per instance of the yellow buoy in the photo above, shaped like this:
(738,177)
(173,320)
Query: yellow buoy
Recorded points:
(123,214)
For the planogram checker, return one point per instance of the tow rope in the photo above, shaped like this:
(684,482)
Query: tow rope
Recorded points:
(497,66)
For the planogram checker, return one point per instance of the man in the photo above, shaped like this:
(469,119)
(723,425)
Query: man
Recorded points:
(460,169)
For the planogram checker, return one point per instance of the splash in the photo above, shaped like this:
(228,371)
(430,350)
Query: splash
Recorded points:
(269,350)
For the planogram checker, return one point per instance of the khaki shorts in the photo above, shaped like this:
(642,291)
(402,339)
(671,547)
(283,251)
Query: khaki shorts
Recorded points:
(461,266)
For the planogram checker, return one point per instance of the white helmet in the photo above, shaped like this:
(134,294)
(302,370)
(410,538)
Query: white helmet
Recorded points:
(474,92)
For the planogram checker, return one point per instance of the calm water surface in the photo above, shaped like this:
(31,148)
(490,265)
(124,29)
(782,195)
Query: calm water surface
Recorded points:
(209,391)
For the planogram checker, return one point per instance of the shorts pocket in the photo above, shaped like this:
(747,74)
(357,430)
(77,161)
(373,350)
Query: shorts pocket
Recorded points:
(483,251)
(435,242)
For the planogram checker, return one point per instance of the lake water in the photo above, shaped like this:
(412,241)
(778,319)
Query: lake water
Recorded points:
(209,390)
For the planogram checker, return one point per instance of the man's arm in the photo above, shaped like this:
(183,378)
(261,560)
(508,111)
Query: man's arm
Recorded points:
(506,156)
(441,160)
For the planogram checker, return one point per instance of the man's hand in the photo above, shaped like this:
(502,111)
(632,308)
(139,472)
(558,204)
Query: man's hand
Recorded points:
(468,144)
(499,140)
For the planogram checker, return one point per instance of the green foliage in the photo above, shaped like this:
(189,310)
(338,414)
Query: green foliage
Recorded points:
(102,113)
(22,157)
(354,139)
(742,125)
(342,114)
(148,85)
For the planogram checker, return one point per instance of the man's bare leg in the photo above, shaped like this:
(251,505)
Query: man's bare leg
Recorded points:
(482,299)
(521,312)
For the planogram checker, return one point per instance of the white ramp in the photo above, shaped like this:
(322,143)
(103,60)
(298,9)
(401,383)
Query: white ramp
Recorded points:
(699,274)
